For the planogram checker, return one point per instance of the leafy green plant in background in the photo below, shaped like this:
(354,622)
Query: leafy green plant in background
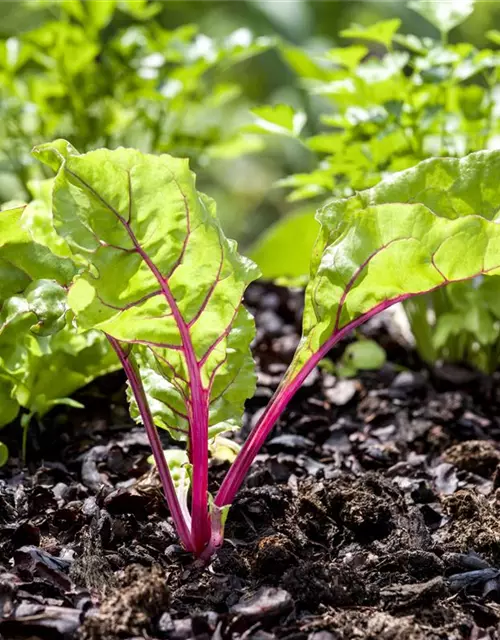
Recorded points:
(362,355)
(157,276)
(384,103)
(43,359)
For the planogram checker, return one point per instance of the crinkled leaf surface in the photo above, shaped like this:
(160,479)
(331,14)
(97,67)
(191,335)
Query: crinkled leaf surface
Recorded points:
(38,221)
(414,232)
(81,356)
(24,260)
(161,277)
(31,303)
(39,372)
(9,407)
(42,360)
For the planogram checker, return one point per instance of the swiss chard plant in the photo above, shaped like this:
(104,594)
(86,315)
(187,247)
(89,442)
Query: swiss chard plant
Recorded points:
(156,275)
(382,103)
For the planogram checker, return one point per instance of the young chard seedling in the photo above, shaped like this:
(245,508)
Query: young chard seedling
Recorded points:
(159,278)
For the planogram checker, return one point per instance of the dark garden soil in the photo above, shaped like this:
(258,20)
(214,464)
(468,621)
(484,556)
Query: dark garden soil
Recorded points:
(373,512)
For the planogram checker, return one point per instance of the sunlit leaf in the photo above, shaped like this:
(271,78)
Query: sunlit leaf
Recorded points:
(303,63)
(176,305)
(4,454)
(494,36)
(348,57)
(413,233)
(381,32)
(278,119)
(362,355)
(285,248)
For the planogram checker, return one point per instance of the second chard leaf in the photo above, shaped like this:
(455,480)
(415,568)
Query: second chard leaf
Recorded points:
(414,232)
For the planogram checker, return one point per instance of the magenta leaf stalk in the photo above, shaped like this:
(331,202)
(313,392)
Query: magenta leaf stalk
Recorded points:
(198,410)
(199,459)
(134,379)
(284,394)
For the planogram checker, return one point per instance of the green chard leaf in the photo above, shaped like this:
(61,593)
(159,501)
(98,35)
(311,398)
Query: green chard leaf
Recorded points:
(414,232)
(160,278)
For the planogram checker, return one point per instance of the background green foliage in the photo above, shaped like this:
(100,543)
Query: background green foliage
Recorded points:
(43,359)
(180,76)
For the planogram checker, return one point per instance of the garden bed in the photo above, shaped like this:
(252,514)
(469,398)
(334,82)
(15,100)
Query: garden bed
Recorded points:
(371,513)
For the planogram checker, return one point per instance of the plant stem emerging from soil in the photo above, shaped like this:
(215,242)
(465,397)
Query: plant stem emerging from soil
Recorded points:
(154,440)
(285,392)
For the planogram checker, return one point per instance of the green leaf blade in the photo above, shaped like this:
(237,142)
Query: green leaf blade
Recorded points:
(285,248)
(4,454)
(414,232)
(278,119)
(177,301)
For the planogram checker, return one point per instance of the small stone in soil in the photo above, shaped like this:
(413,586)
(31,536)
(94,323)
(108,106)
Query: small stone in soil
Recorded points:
(445,478)
(342,392)
(267,602)
(408,381)
(290,442)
